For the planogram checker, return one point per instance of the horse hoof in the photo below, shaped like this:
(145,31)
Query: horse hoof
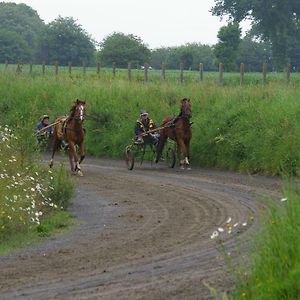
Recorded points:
(181,167)
(189,168)
(79,172)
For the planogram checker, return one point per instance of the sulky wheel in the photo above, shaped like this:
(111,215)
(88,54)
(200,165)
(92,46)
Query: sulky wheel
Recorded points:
(171,157)
(129,158)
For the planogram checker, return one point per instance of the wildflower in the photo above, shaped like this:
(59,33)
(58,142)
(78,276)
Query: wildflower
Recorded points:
(220,229)
(283,199)
(244,224)
(236,224)
(229,220)
(214,234)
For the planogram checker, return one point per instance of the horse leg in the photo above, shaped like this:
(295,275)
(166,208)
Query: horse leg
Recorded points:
(187,147)
(181,147)
(54,148)
(72,153)
(82,152)
(161,143)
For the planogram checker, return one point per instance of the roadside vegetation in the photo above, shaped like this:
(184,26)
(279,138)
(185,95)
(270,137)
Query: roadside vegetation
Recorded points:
(33,198)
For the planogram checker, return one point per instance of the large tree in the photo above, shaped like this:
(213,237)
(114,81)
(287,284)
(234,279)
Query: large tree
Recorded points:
(275,20)
(122,49)
(226,50)
(65,41)
(21,27)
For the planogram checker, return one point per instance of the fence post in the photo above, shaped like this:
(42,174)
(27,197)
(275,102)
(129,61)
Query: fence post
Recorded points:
(221,70)
(163,71)
(70,68)
(146,67)
(98,68)
(181,72)
(242,72)
(56,68)
(288,73)
(30,69)
(129,71)
(201,71)
(264,69)
(114,69)
(43,68)
(6,65)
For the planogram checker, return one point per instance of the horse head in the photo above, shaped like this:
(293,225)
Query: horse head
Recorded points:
(78,110)
(185,110)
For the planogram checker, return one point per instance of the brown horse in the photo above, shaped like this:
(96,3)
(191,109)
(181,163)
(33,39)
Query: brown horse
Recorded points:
(69,129)
(178,128)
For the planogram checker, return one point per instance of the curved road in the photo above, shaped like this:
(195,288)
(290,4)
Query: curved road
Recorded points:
(142,234)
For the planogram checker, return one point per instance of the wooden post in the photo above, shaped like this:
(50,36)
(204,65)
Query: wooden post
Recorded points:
(83,67)
(181,72)
(114,69)
(201,71)
(129,71)
(98,68)
(30,69)
(288,73)
(146,67)
(70,68)
(242,72)
(221,70)
(163,71)
(6,65)
(56,68)
(264,70)
(43,68)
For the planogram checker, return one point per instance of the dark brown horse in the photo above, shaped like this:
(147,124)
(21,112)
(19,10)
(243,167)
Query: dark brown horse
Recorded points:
(69,129)
(178,128)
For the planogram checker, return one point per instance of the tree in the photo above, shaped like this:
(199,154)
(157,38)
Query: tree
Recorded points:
(226,50)
(122,49)
(254,53)
(275,20)
(65,41)
(191,55)
(21,27)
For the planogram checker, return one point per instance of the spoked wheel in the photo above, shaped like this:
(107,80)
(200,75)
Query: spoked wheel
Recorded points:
(170,157)
(129,158)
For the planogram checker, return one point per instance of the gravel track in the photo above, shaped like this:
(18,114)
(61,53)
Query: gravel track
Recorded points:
(141,234)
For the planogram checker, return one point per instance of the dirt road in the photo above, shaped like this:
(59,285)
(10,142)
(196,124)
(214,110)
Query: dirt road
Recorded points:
(141,234)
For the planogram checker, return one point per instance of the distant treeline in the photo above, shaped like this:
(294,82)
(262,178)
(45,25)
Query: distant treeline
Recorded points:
(25,38)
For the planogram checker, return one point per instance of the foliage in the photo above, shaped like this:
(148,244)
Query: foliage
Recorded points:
(226,50)
(26,189)
(65,41)
(20,28)
(122,49)
(275,270)
(274,20)
(191,55)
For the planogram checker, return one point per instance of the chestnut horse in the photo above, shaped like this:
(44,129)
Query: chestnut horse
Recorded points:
(69,128)
(178,128)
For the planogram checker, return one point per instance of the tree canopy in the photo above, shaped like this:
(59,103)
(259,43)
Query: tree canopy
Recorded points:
(122,49)
(21,27)
(275,20)
(226,50)
(65,41)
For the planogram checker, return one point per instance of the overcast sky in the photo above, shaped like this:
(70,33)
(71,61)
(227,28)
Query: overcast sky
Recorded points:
(157,22)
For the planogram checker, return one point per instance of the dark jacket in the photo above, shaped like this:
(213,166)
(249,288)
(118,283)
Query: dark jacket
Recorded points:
(141,128)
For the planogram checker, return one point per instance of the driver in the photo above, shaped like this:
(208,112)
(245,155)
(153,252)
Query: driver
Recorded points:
(144,124)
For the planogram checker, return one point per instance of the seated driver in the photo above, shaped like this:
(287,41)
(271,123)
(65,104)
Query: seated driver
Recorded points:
(144,124)
(41,132)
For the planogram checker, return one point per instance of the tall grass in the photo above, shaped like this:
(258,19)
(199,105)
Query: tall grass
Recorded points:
(29,192)
(275,269)
(252,128)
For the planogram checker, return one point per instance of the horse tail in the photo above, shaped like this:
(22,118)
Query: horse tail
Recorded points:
(160,147)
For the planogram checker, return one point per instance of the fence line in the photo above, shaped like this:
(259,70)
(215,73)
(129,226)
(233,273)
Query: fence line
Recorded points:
(146,68)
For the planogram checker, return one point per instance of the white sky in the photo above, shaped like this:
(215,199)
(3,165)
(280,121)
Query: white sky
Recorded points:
(157,22)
